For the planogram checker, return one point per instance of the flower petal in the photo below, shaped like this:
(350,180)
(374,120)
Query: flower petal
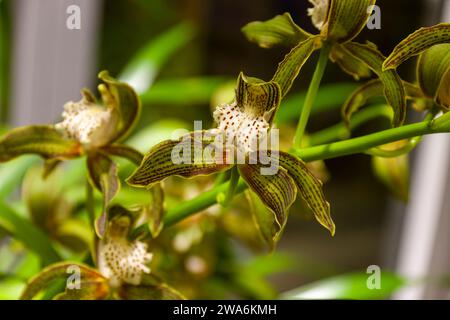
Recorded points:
(45,141)
(277,191)
(186,157)
(346,19)
(416,43)
(433,69)
(371,90)
(289,68)
(121,97)
(103,175)
(348,63)
(280,30)
(256,97)
(393,87)
(151,288)
(310,189)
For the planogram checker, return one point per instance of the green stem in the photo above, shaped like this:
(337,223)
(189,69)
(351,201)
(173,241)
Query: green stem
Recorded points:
(311,94)
(90,203)
(362,144)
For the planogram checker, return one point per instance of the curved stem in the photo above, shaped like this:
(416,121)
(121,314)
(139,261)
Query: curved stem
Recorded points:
(312,93)
(234,179)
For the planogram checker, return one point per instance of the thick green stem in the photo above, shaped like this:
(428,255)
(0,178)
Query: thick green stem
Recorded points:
(311,95)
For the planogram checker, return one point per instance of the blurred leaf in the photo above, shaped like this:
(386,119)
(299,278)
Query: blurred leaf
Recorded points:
(280,30)
(12,173)
(103,176)
(142,69)
(394,171)
(62,271)
(416,43)
(181,92)
(348,286)
(28,234)
(43,140)
(10,289)
(328,97)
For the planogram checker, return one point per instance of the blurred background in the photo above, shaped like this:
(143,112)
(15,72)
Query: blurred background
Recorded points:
(183,56)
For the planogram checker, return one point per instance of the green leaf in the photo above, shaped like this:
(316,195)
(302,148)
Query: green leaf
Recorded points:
(351,286)
(143,68)
(12,173)
(348,63)
(276,190)
(25,232)
(394,90)
(310,188)
(151,288)
(90,279)
(416,43)
(186,157)
(290,67)
(10,288)
(258,97)
(121,97)
(433,70)
(103,176)
(45,141)
(280,30)
(346,19)
(394,172)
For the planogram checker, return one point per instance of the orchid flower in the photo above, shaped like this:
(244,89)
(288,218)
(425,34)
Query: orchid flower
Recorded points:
(242,125)
(88,128)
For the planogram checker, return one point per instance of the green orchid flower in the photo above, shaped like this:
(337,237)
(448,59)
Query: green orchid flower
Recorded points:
(241,126)
(339,22)
(88,128)
(122,271)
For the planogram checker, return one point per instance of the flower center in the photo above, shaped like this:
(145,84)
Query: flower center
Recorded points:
(319,12)
(243,130)
(85,122)
(121,261)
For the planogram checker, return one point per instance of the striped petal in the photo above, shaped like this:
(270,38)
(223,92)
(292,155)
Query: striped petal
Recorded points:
(416,43)
(394,90)
(277,191)
(310,189)
(189,156)
(348,63)
(290,67)
(43,140)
